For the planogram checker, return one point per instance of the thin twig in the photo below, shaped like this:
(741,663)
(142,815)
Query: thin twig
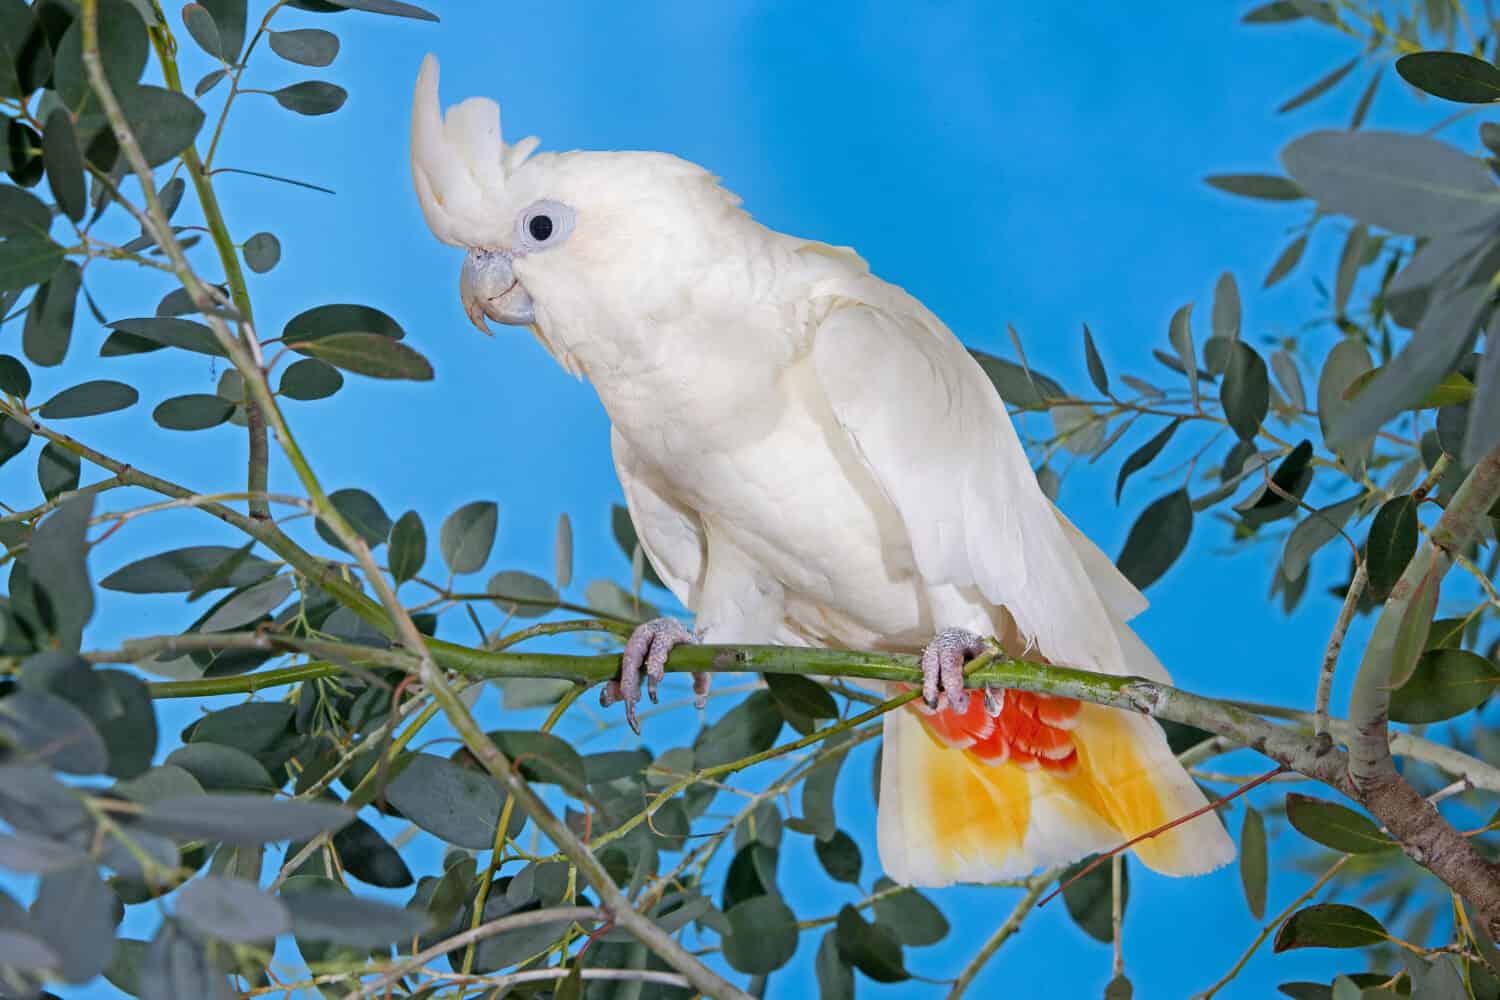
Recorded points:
(515,921)
(1002,934)
(1335,645)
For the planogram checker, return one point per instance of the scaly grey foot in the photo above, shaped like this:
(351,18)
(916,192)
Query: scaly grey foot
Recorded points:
(943,671)
(648,648)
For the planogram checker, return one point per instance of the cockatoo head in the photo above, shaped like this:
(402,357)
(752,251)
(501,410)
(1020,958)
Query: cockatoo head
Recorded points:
(557,241)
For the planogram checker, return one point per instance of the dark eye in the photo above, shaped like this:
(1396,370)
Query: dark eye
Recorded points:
(545,225)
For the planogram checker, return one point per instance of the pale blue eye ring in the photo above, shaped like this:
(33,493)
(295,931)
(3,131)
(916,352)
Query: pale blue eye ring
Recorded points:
(544,225)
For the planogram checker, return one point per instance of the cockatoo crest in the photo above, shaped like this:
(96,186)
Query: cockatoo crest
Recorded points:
(460,164)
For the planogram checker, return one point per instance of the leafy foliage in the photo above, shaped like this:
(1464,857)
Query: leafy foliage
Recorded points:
(1347,435)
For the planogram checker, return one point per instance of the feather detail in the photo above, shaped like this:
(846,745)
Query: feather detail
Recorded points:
(460,164)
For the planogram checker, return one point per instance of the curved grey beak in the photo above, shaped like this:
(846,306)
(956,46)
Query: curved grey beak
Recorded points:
(488,288)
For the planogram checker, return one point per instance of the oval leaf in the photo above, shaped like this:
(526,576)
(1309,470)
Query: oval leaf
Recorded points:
(1453,76)
(310,379)
(467,536)
(1156,539)
(1335,826)
(311,97)
(307,46)
(1329,925)
(194,412)
(369,354)
(231,909)
(1392,543)
(1446,683)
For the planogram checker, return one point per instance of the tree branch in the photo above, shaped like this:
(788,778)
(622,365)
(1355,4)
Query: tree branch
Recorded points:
(1399,636)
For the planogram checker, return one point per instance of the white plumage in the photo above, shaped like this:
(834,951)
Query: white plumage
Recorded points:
(811,457)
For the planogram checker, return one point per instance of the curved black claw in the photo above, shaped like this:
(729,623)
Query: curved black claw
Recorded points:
(943,669)
(648,648)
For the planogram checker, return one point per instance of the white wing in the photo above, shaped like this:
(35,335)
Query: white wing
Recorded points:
(936,436)
(670,534)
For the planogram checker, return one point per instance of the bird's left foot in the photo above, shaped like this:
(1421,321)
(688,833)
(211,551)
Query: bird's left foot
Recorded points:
(647,649)
(943,671)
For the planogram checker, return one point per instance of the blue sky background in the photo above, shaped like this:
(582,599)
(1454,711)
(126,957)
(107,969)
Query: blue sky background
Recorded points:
(1033,164)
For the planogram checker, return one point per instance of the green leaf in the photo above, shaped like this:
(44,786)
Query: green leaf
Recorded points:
(1156,539)
(395,8)
(1346,362)
(762,936)
(305,46)
(74,914)
(1398,181)
(52,731)
(1285,261)
(835,977)
(818,787)
(1446,683)
(229,18)
(164,121)
(22,212)
(1290,380)
(911,916)
(27,259)
(14,437)
(1483,433)
(1180,333)
(64,165)
(522,595)
(1119,988)
(1453,76)
(364,853)
(870,948)
(342,317)
(231,909)
(1319,87)
(467,536)
(262,251)
(209,81)
(1018,386)
(1090,899)
(1226,309)
(369,354)
(1392,543)
(200,25)
(1329,925)
(363,513)
(242,819)
(176,964)
(408,544)
(457,805)
(747,728)
(194,412)
(49,320)
(543,757)
(1253,863)
(1246,391)
(1351,259)
(164,331)
(123,49)
(1267,187)
(1144,455)
(58,562)
(1335,826)
(220,768)
(22,852)
(840,857)
(562,550)
(311,97)
(346,919)
(309,379)
(89,399)
(1097,374)
(801,696)
(1313,532)
(249,605)
(57,470)
(181,570)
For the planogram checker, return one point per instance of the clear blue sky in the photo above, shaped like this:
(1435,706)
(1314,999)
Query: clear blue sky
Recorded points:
(1032,164)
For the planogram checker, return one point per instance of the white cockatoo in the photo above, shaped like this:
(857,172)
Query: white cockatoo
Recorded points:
(810,457)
